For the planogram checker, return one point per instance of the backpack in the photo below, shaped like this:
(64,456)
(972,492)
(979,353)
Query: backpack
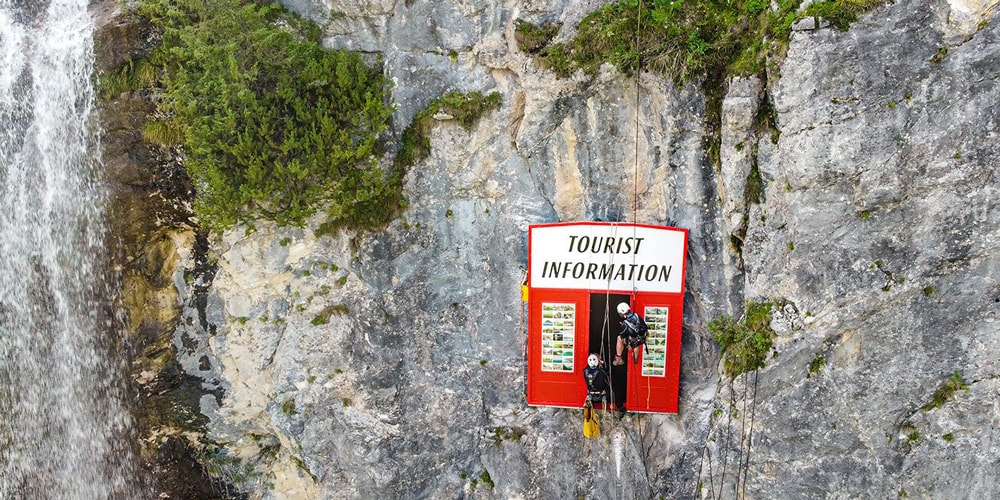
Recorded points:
(642,330)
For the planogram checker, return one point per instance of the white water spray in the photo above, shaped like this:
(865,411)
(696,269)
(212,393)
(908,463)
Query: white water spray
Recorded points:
(63,427)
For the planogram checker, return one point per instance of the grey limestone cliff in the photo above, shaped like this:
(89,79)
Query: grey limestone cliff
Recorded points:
(390,364)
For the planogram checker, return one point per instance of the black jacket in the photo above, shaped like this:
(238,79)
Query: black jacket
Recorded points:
(633,329)
(597,379)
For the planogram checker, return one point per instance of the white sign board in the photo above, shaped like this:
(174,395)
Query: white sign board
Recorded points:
(612,256)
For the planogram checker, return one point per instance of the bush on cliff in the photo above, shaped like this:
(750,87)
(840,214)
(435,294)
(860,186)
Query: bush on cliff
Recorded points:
(745,343)
(466,108)
(273,126)
(683,39)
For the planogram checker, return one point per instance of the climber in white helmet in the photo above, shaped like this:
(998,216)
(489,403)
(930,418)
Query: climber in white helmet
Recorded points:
(633,334)
(597,380)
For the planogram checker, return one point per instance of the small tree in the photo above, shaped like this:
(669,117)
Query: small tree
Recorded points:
(274,126)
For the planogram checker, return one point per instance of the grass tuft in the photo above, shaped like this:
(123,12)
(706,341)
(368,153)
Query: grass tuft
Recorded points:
(946,391)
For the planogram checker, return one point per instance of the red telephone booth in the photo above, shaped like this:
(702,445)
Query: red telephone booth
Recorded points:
(577,275)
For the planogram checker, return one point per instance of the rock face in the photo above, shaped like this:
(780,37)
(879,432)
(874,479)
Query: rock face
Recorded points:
(390,363)
(153,249)
(879,225)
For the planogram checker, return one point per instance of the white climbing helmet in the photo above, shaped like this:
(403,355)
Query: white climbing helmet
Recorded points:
(593,361)
(623,308)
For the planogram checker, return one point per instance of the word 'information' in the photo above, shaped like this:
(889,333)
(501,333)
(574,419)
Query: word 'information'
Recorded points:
(613,256)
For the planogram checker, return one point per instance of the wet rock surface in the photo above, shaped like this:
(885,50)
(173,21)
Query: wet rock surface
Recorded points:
(153,250)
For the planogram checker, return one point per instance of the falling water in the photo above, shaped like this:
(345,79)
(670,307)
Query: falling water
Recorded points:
(63,428)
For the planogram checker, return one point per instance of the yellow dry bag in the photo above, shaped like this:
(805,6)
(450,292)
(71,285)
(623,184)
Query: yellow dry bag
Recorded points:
(591,428)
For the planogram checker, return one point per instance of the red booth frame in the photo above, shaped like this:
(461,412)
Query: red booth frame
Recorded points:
(568,389)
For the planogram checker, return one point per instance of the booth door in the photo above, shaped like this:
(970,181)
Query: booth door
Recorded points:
(604,327)
(654,384)
(557,347)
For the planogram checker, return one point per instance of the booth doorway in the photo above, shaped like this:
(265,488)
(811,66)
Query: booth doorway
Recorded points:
(604,327)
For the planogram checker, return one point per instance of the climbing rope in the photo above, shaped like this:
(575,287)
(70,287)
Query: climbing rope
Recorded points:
(729,435)
(606,327)
(753,413)
(638,67)
(711,475)
(635,172)
(743,430)
(605,342)
(743,457)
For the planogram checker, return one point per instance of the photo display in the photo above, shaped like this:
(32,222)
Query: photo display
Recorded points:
(558,331)
(654,360)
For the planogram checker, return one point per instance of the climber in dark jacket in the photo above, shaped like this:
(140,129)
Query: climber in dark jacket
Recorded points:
(597,380)
(632,336)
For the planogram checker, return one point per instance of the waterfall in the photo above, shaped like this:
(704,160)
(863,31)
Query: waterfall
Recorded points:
(64,429)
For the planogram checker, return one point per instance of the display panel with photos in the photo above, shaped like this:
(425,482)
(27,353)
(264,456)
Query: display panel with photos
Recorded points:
(558,322)
(654,359)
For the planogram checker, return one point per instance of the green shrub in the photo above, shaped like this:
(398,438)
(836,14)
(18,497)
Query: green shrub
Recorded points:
(500,434)
(692,39)
(532,38)
(946,391)
(680,38)
(754,190)
(485,478)
(133,75)
(816,364)
(939,55)
(324,316)
(466,108)
(841,13)
(166,133)
(274,126)
(745,343)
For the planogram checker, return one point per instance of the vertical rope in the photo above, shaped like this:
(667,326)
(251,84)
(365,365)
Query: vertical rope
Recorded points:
(638,68)
(606,331)
(746,469)
(743,430)
(699,487)
(606,338)
(729,435)
(635,170)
